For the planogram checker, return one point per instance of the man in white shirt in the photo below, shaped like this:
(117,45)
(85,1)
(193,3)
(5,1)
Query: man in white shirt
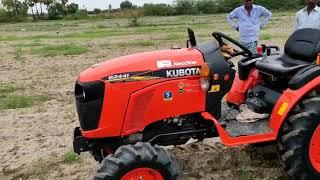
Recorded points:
(249,23)
(308,17)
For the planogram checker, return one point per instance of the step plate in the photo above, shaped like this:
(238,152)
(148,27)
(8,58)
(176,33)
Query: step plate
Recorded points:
(236,129)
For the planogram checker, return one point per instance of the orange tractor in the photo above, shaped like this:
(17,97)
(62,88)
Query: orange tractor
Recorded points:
(129,105)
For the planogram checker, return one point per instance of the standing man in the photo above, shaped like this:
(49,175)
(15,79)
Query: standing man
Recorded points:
(308,17)
(249,23)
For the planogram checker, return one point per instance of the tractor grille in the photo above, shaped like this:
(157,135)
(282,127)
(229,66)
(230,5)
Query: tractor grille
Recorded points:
(89,100)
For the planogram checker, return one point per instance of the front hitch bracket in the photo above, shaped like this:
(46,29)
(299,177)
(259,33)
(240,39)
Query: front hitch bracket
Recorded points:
(80,144)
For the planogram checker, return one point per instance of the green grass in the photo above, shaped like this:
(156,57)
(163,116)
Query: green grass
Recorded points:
(99,33)
(70,157)
(266,36)
(43,26)
(175,36)
(12,101)
(242,175)
(18,54)
(34,44)
(87,34)
(149,25)
(4,89)
(16,38)
(20,101)
(136,43)
(202,26)
(56,50)
(204,35)
(100,26)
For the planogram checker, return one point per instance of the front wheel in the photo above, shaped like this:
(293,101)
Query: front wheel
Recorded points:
(136,162)
(299,140)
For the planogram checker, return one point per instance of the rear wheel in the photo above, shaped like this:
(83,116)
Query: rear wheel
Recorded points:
(299,140)
(142,173)
(314,150)
(137,162)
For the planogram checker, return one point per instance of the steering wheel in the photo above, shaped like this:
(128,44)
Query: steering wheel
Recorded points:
(245,51)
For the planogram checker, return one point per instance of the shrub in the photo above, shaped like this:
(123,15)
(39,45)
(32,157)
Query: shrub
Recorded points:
(72,8)
(6,16)
(81,14)
(186,7)
(207,6)
(97,11)
(55,11)
(70,157)
(158,10)
(133,22)
(126,5)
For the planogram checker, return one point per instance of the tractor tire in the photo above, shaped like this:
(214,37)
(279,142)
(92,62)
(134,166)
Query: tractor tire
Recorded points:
(299,139)
(139,161)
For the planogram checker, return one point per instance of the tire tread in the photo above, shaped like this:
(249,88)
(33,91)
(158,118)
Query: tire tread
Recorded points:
(292,140)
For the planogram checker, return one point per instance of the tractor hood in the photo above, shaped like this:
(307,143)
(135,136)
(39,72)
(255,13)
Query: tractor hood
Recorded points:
(186,59)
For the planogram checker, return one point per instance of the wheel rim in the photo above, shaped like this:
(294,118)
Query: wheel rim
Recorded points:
(142,174)
(314,150)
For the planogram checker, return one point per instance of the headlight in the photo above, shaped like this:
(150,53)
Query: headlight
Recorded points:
(84,94)
(204,84)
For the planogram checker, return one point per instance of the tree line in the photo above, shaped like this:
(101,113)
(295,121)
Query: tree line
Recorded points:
(185,7)
(18,10)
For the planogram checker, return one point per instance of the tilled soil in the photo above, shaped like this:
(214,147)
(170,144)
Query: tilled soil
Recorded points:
(211,160)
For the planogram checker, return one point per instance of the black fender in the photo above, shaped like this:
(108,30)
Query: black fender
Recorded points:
(304,76)
(220,86)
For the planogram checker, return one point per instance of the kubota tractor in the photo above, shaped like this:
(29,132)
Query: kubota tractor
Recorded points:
(130,106)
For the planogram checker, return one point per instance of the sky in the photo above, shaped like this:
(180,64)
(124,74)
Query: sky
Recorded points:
(104,4)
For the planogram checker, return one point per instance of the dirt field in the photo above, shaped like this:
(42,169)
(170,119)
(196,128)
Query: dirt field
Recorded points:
(39,63)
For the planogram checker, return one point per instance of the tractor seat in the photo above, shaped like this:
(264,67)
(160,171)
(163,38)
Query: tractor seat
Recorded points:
(281,66)
(301,50)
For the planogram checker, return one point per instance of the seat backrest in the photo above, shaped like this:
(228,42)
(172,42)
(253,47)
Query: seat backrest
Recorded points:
(303,44)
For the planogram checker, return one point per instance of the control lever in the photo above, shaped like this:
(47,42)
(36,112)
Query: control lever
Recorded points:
(272,47)
(267,49)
